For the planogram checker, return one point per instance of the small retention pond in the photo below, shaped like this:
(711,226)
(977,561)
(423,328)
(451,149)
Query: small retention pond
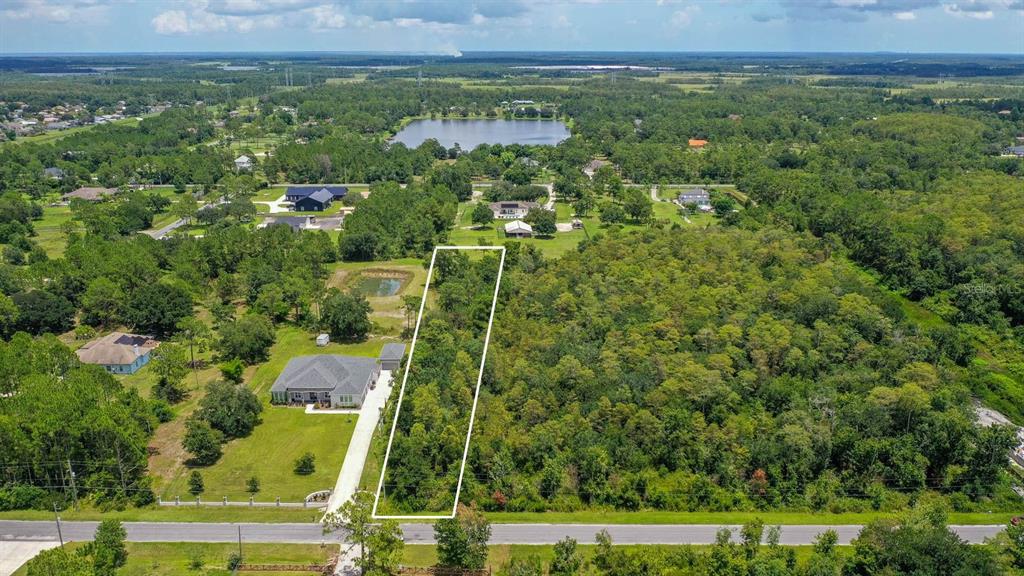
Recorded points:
(378,286)
(471,133)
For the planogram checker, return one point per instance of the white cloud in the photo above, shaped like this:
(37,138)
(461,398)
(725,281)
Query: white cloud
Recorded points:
(683,18)
(60,11)
(199,20)
(905,16)
(970,9)
(327,17)
(171,22)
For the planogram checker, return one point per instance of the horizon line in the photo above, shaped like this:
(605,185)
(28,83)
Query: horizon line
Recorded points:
(12,54)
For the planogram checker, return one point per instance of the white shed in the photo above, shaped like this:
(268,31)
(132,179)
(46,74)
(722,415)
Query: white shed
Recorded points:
(323,340)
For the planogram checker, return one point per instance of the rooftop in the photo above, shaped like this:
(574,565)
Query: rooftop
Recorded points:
(392,351)
(91,193)
(343,374)
(116,348)
(518,226)
(303,191)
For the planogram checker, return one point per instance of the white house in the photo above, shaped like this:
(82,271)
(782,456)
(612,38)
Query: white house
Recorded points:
(243,163)
(512,210)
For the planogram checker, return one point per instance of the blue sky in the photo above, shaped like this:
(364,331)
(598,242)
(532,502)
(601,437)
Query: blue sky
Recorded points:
(449,26)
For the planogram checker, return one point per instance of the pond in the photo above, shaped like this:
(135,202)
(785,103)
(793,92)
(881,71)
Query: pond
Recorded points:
(378,286)
(471,133)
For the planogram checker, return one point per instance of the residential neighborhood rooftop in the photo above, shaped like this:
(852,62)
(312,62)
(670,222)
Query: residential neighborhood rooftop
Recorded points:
(392,351)
(342,374)
(116,348)
(90,193)
(294,192)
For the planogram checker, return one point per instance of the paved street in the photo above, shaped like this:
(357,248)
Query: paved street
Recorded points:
(159,234)
(12,530)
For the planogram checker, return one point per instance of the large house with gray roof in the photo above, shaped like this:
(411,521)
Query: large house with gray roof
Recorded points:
(314,198)
(332,379)
(325,379)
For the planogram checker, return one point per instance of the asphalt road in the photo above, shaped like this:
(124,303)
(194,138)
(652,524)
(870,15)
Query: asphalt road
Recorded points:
(160,233)
(14,530)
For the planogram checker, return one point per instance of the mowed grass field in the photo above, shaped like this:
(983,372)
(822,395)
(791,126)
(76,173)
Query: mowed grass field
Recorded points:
(284,434)
(466,233)
(49,235)
(176,558)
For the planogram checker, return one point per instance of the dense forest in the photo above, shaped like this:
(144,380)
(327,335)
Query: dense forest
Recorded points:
(712,370)
(430,433)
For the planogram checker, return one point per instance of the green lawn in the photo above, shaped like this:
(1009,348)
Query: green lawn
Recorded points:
(176,514)
(175,558)
(269,194)
(284,434)
(48,230)
(269,452)
(464,234)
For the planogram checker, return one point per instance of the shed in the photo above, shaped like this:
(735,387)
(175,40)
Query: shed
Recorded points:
(323,340)
(518,229)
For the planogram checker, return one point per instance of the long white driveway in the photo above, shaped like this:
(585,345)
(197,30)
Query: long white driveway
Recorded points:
(359,446)
(14,554)
(279,206)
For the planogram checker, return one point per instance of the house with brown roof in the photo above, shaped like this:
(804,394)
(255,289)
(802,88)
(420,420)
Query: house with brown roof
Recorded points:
(593,166)
(697,143)
(118,353)
(91,194)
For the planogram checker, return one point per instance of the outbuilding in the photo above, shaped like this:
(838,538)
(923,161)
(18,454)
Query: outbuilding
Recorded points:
(518,229)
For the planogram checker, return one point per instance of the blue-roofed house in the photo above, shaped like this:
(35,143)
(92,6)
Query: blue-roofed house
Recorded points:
(316,202)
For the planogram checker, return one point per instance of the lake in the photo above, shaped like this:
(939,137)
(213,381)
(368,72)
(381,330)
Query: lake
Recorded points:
(471,133)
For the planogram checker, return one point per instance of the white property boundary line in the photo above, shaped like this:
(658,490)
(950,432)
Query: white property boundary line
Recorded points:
(405,377)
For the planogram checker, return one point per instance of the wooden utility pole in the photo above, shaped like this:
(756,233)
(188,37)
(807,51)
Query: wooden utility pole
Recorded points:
(74,490)
(60,536)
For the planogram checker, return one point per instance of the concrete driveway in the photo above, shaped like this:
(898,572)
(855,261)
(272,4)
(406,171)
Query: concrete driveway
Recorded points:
(14,554)
(359,446)
(278,206)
